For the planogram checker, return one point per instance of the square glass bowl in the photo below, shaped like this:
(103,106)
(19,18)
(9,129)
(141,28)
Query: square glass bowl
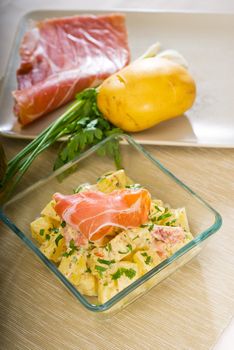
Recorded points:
(143,168)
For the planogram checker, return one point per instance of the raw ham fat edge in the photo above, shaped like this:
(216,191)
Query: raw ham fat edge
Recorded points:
(62,56)
(95,214)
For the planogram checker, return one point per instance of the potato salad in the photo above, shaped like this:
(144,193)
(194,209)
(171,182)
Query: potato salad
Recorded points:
(106,235)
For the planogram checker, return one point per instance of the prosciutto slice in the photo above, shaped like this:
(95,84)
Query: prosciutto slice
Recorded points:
(95,214)
(62,56)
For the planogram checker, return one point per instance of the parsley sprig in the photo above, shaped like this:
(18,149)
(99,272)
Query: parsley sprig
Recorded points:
(82,124)
(87,131)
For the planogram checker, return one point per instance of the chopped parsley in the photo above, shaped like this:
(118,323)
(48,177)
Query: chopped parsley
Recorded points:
(72,245)
(157,208)
(100,269)
(104,176)
(63,223)
(164,216)
(66,254)
(129,247)
(88,270)
(135,237)
(78,189)
(58,239)
(85,185)
(148,259)
(105,262)
(173,222)
(124,252)
(117,274)
(149,226)
(54,229)
(105,284)
(41,232)
(108,247)
(47,237)
(144,254)
(130,273)
(121,252)
(134,186)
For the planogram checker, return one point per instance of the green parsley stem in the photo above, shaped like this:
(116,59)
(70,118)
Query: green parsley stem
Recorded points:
(84,126)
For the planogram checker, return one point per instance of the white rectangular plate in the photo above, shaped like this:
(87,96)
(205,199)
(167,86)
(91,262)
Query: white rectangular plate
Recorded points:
(207,43)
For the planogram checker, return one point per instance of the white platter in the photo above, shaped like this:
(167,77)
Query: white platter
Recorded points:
(207,43)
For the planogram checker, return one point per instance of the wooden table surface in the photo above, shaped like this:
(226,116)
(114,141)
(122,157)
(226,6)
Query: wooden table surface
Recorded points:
(189,310)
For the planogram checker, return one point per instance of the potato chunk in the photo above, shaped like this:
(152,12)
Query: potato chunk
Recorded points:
(181,218)
(73,266)
(106,290)
(146,260)
(124,273)
(87,284)
(54,247)
(115,279)
(40,228)
(112,181)
(50,212)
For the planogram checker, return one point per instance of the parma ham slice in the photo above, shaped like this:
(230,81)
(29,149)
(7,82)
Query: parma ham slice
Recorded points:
(62,56)
(95,213)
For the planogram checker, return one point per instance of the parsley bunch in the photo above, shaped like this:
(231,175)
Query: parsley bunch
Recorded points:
(82,124)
